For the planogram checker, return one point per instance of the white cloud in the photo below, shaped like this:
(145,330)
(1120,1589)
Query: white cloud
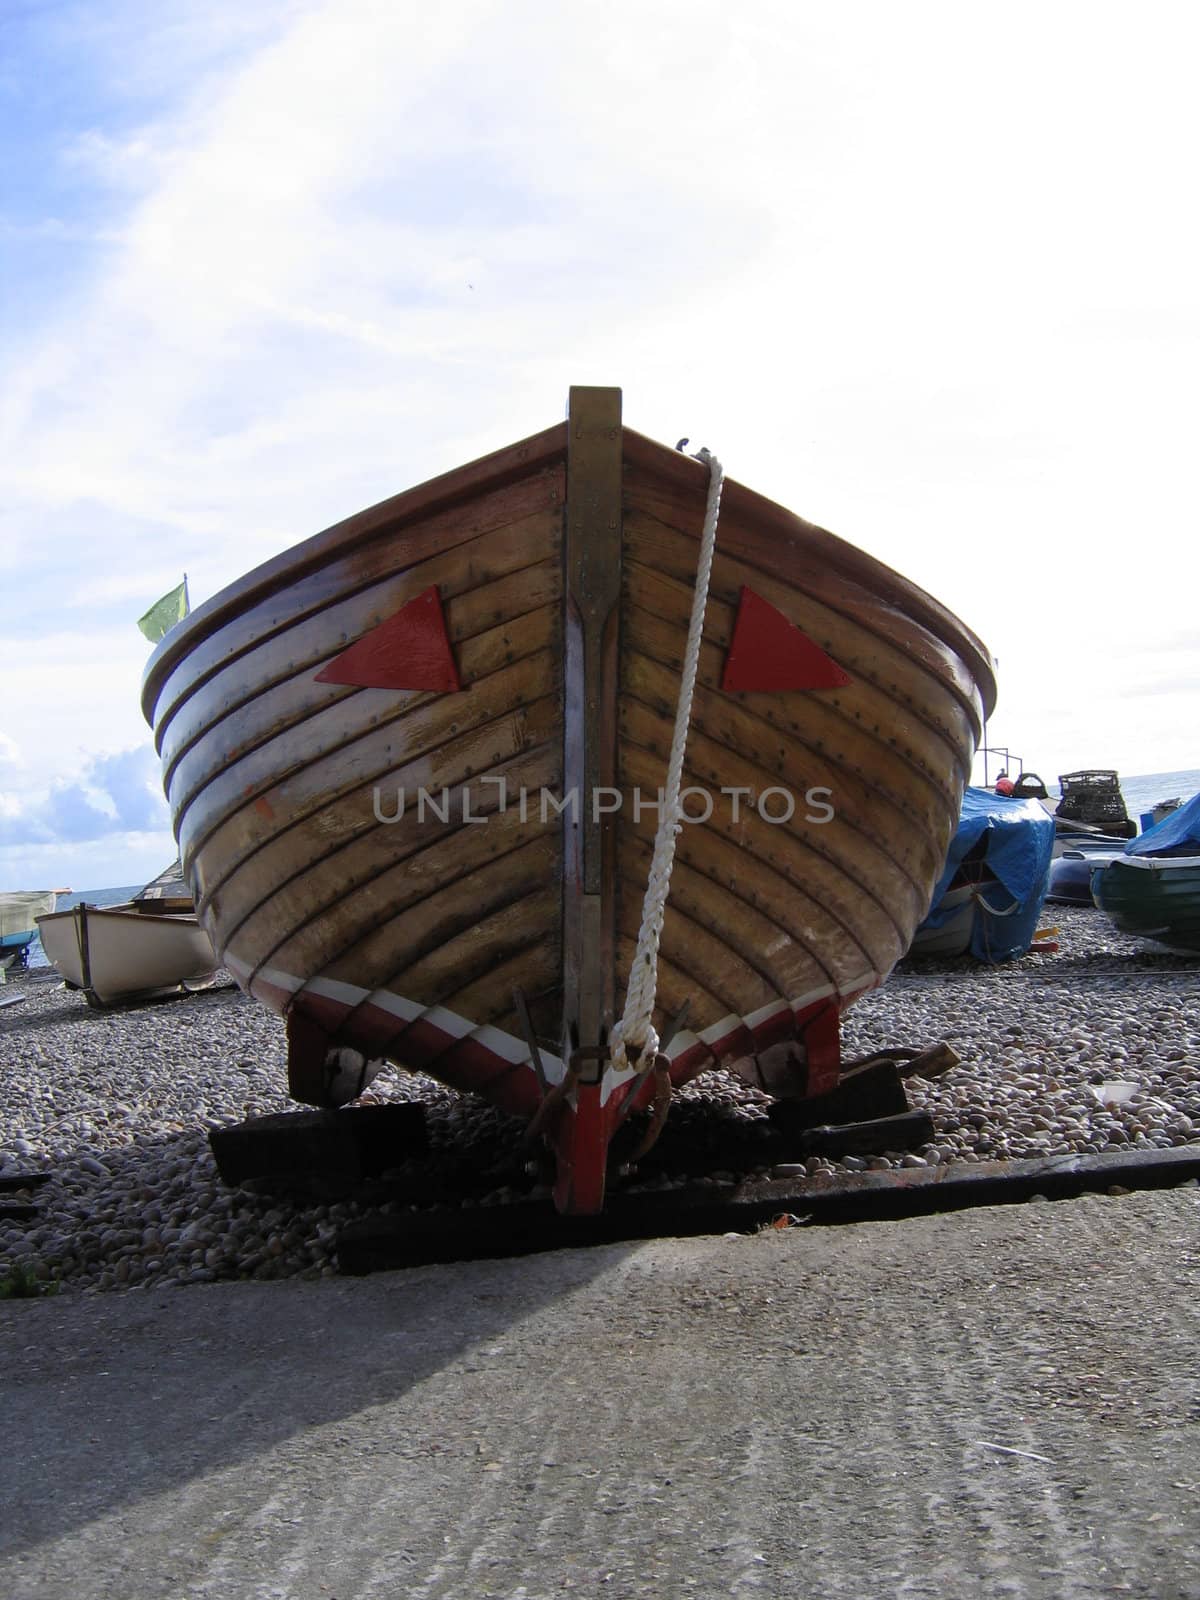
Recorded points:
(925,279)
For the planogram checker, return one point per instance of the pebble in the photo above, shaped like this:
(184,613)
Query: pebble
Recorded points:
(117,1106)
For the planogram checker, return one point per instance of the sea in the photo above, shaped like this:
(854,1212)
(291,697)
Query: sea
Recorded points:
(1141,795)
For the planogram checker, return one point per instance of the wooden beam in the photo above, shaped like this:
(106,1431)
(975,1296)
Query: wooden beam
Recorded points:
(592,596)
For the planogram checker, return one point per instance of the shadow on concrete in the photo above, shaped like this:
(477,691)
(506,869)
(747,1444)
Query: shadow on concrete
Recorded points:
(114,1399)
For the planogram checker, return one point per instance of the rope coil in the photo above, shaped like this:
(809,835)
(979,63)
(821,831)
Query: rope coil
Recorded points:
(634,1042)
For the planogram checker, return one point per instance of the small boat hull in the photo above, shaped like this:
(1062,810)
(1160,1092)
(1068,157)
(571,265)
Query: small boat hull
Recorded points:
(1157,897)
(990,894)
(952,936)
(1071,872)
(119,953)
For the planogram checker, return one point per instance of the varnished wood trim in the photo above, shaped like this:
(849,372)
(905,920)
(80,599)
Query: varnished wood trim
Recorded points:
(591,606)
(761,524)
(504,602)
(421,866)
(521,460)
(710,760)
(481,658)
(795,766)
(426,729)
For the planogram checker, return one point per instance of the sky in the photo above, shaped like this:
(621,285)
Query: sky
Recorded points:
(926,274)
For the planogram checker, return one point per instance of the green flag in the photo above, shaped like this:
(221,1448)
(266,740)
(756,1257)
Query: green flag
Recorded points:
(165,613)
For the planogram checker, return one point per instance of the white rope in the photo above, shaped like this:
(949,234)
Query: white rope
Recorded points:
(634,1035)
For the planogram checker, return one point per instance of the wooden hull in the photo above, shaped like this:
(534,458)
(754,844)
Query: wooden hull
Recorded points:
(115,953)
(1155,896)
(564,569)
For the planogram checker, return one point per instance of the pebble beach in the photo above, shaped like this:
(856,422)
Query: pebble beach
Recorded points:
(1095,1048)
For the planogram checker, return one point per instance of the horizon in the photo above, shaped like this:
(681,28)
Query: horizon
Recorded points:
(924,280)
(139,880)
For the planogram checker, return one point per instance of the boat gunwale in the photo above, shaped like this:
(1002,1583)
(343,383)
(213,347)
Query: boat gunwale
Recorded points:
(764,520)
(764,517)
(304,669)
(525,458)
(876,683)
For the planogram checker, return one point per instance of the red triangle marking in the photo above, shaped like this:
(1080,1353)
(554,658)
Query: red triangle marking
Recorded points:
(769,652)
(409,651)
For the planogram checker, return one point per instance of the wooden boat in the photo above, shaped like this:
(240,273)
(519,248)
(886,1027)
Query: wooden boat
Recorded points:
(131,951)
(19,911)
(366,743)
(1153,888)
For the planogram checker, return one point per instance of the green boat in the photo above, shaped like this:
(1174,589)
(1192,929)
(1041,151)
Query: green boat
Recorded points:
(1153,888)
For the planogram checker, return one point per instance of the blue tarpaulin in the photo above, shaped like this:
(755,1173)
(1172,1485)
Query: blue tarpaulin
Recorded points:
(1019,842)
(1177,834)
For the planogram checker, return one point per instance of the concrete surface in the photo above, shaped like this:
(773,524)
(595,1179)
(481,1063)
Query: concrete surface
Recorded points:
(815,1412)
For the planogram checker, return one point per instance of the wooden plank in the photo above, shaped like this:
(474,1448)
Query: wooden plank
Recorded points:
(828,725)
(434,515)
(10,1182)
(336,911)
(908,1131)
(722,744)
(592,565)
(866,1095)
(765,534)
(295,656)
(330,1148)
(523,1228)
(247,805)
